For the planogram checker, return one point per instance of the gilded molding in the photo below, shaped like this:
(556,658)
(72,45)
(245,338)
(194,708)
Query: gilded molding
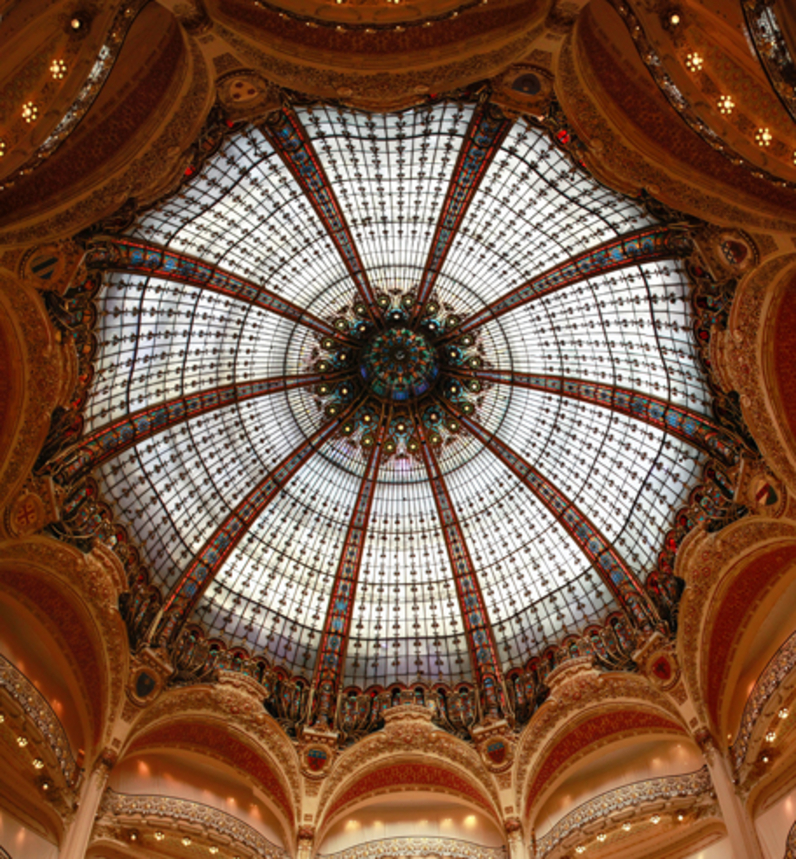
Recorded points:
(743,361)
(103,65)
(402,739)
(95,580)
(380,89)
(43,381)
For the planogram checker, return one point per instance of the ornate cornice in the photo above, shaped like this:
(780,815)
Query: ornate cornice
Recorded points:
(622,162)
(172,809)
(692,785)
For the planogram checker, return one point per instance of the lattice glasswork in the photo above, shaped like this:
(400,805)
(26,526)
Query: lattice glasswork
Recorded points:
(396,398)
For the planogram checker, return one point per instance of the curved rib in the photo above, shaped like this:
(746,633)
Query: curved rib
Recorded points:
(289,139)
(209,560)
(604,558)
(111,440)
(336,627)
(651,243)
(485,136)
(692,428)
(478,629)
(146,258)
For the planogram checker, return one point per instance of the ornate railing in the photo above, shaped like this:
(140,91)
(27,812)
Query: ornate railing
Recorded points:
(173,809)
(779,666)
(772,50)
(678,100)
(386,848)
(103,65)
(40,713)
(631,795)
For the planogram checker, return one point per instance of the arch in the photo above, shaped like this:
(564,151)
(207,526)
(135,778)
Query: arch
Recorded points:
(413,773)
(407,741)
(597,729)
(74,596)
(577,697)
(218,740)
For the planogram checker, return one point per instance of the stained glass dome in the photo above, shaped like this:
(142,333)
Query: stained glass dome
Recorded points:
(396,397)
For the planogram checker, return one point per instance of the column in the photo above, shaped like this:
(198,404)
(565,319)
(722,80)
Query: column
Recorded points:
(740,826)
(79,832)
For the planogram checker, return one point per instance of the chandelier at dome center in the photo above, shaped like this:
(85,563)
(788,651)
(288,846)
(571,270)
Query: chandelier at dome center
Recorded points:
(396,399)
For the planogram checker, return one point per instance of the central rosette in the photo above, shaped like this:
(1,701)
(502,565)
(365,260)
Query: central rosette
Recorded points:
(399,364)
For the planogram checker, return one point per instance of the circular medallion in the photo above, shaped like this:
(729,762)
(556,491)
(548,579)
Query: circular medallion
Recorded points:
(399,364)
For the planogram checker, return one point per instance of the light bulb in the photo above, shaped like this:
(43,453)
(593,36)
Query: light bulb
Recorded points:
(693,61)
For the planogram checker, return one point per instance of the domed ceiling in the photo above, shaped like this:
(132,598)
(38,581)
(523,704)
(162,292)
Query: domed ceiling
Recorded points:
(396,397)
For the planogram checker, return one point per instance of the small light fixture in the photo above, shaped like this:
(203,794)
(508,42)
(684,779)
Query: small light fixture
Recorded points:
(29,112)
(763,137)
(159,836)
(76,23)
(783,713)
(22,742)
(45,785)
(771,736)
(681,817)
(186,841)
(726,105)
(580,849)
(2,153)
(626,827)
(674,19)
(602,836)
(693,61)
(58,69)
(133,836)
(655,818)
(214,849)
(38,763)
(765,759)
(2,718)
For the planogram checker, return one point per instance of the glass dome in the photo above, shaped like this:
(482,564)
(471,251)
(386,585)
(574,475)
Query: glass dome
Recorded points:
(396,397)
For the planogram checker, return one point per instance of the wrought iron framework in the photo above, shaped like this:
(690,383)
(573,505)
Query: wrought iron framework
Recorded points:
(411,425)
